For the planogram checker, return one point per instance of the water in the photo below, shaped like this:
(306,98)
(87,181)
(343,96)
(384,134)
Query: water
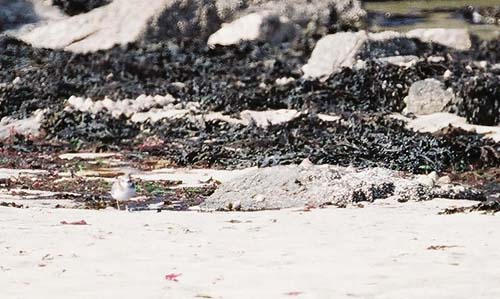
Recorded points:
(407,15)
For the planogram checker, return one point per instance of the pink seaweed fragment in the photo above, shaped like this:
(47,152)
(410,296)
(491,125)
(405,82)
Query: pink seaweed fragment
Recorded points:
(172,276)
(81,222)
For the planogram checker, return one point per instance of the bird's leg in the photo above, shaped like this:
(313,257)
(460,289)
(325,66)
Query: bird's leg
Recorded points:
(118,204)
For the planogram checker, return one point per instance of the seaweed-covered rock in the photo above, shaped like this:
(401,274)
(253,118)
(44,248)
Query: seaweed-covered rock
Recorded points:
(75,7)
(328,14)
(481,15)
(428,96)
(14,14)
(481,97)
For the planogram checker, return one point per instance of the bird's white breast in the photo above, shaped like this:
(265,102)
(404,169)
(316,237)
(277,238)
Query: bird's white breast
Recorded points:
(121,193)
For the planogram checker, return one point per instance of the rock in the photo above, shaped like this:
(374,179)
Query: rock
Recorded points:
(29,126)
(269,117)
(428,180)
(401,61)
(453,38)
(447,74)
(444,180)
(125,21)
(259,26)
(297,186)
(435,122)
(284,81)
(335,51)
(428,96)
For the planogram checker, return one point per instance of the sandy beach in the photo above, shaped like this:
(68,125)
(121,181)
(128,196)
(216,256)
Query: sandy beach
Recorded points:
(384,250)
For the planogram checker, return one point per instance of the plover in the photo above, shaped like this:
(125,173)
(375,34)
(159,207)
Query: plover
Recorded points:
(123,189)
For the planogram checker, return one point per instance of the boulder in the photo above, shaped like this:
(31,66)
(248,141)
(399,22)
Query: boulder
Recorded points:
(453,38)
(259,26)
(428,96)
(312,185)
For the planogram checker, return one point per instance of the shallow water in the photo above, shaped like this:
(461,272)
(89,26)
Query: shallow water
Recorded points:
(428,14)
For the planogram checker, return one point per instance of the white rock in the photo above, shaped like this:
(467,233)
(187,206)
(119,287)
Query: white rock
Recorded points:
(16,81)
(284,81)
(453,38)
(259,26)
(270,117)
(332,52)
(306,163)
(155,115)
(405,61)
(435,59)
(444,180)
(447,74)
(27,126)
(336,51)
(327,117)
(437,121)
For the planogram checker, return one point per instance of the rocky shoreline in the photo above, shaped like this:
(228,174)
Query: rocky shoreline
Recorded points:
(335,97)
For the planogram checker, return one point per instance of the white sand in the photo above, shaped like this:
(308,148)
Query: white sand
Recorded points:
(379,251)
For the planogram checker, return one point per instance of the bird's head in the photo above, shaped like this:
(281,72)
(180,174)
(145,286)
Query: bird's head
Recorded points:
(126,180)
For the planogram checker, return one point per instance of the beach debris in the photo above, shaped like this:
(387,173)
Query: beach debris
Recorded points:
(441,247)
(11,205)
(491,206)
(173,276)
(80,222)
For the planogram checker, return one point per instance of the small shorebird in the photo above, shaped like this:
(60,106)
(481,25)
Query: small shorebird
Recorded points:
(123,189)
